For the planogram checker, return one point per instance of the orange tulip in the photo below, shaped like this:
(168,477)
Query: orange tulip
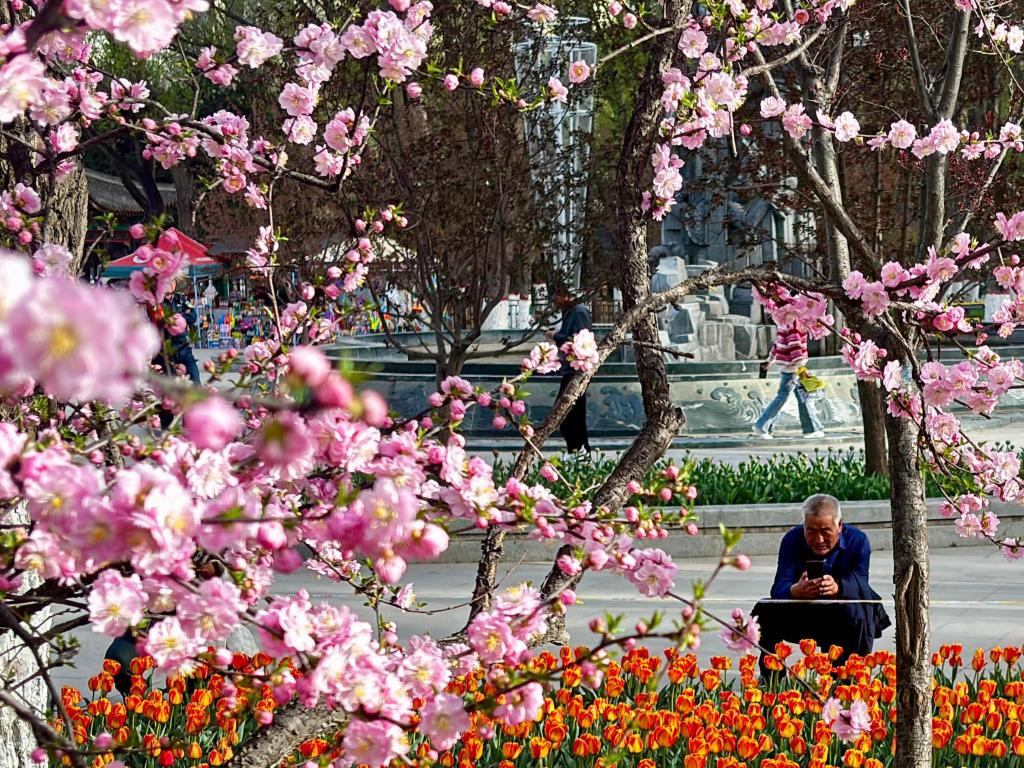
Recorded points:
(511,749)
(539,747)
(634,742)
(747,748)
(1017,745)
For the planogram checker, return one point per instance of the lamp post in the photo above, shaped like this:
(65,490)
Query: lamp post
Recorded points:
(557,135)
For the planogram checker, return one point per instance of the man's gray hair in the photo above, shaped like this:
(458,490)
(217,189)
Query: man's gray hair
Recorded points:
(823,505)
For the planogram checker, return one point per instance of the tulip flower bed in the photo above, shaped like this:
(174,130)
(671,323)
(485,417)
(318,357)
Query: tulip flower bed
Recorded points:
(645,711)
(665,711)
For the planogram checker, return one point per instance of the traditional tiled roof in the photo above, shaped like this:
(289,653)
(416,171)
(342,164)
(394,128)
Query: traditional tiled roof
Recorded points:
(107,192)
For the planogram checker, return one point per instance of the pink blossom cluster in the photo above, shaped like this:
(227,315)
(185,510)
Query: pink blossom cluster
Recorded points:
(18,209)
(343,134)
(542,359)
(163,263)
(78,342)
(996,31)
(846,724)
(808,312)
(349,272)
(581,351)
(744,635)
(700,102)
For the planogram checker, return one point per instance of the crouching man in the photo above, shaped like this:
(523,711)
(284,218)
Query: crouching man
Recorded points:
(822,564)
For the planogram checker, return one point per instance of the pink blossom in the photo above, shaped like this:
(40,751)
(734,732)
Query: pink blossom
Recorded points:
(1012,549)
(254,46)
(582,352)
(854,284)
(81,342)
(693,42)
(847,724)
(52,261)
(892,376)
(902,134)
(443,720)
(170,646)
(743,637)
(944,137)
(490,636)
(874,299)
(64,138)
(213,613)
(297,99)
(1010,229)
(846,127)
(27,199)
(542,14)
(413,90)
(451,82)
(772,107)
(568,565)
(22,80)
(629,20)
(557,91)
(795,122)
(476,77)
(579,72)
(654,572)
(373,742)
(116,603)
(212,423)
(520,705)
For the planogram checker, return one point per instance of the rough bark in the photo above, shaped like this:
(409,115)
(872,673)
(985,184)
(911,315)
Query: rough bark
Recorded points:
(66,220)
(293,724)
(184,197)
(17,739)
(910,566)
(872,411)
(69,217)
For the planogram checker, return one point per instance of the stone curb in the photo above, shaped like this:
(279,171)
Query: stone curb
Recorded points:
(763,526)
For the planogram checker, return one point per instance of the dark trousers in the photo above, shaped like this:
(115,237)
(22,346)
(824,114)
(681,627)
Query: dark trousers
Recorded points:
(184,357)
(828,624)
(574,425)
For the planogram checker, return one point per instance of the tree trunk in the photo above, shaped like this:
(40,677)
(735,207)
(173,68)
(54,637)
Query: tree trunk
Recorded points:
(872,409)
(184,197)
(16,664)
(910,561)
(69,217)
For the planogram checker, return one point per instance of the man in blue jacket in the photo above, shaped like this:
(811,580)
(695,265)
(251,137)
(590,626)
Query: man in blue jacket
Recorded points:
(575,318)
(822,563)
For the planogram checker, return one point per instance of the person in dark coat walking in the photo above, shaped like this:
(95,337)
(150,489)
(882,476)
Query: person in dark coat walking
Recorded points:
(575,318)
(821,564)
(176,349)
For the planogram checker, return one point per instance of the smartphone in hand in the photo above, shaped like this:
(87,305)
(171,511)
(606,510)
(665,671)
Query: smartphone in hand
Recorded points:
(815,569)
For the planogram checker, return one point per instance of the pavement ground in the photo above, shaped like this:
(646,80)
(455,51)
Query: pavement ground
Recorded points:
(977,600)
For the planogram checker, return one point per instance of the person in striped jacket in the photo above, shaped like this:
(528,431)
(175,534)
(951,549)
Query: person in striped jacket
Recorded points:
(790,352)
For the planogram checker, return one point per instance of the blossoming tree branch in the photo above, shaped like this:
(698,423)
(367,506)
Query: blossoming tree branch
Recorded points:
(178,534)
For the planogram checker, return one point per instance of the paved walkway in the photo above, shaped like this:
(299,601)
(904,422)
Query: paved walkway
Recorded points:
(976,600)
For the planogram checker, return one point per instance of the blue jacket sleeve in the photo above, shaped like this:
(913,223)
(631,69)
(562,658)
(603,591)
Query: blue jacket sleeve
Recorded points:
(853,583)
(571,325)
(788,571)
